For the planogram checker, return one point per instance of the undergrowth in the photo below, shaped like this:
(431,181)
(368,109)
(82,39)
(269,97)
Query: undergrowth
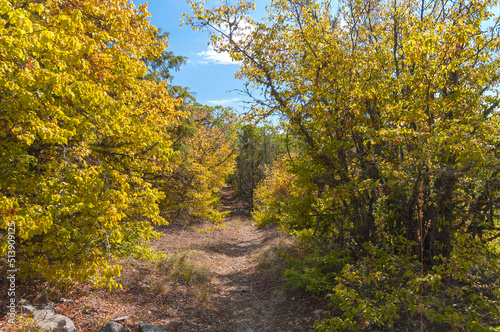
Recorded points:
(272,257)
(385,291)
(24,324)
(186,266)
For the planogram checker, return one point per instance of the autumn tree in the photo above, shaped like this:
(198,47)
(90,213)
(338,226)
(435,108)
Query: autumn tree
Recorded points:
(204,150)
(395,107)
(205,146)
(79,128)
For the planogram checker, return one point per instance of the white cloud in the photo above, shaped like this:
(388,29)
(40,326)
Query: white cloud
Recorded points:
(210,55)
(223,102)
(220,58)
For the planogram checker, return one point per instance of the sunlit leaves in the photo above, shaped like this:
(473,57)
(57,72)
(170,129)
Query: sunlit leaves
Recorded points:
(395,107)
(382,95)
(206,152)
(80,127)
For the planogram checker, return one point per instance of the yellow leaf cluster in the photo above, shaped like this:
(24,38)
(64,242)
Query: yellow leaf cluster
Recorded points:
(205,159)
(79,128)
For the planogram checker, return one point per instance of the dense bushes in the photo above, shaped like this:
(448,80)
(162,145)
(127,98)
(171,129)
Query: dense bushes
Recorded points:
(386,285)
(79,128)
(387,290)
(394,105)
(89,138)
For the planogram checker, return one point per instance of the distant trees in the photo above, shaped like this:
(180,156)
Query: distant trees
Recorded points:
(259,148)
(205,146)
(395,108)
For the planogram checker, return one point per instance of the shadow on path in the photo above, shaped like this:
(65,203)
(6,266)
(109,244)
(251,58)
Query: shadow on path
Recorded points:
(244,298)
(254,297)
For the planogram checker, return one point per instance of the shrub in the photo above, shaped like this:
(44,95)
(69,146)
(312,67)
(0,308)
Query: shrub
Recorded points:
(386,290)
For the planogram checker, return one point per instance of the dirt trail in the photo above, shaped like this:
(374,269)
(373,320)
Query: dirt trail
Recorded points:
(248,298)
(252,305)
(234,294)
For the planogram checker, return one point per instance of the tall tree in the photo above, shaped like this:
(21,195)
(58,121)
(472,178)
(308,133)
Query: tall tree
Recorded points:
(161,66)
(388,99)
(395,106)
(79,127)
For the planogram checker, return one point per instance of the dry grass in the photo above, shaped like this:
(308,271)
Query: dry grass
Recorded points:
(271,257)
(188,266)
(238,221)
(166,292)
(24,323)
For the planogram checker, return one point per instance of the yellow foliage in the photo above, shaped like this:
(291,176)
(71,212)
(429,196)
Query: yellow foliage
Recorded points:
(79,128)
(270,196)
(205,159)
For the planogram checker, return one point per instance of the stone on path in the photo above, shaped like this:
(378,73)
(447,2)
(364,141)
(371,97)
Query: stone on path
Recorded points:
(47,318)
(152,328)
(57,323)
(113,327)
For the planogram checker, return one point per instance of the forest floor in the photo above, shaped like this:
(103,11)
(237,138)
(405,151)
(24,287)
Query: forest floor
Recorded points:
(227,279)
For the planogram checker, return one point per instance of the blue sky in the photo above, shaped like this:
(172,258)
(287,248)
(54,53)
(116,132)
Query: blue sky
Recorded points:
(209,75)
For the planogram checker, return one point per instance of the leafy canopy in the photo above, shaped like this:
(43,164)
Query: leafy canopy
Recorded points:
(394,105)
(79,128)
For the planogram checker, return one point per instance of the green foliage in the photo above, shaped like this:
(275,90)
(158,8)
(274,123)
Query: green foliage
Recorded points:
(258,147)
(315,272)
(386,290)
(376,291)
(297,200)
(161,67)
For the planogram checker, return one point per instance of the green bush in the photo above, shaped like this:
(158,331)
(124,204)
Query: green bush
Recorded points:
(386,290)
(314,273)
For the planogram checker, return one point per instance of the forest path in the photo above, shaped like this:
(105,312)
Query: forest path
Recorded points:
(244,297)
(223,280)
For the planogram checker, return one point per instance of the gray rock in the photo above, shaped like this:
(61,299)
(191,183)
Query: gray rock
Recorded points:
(23,302)
(113,327)
(38,312)
(26,307)
(47,318)
(152,328)
(43,312)
(57,323)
